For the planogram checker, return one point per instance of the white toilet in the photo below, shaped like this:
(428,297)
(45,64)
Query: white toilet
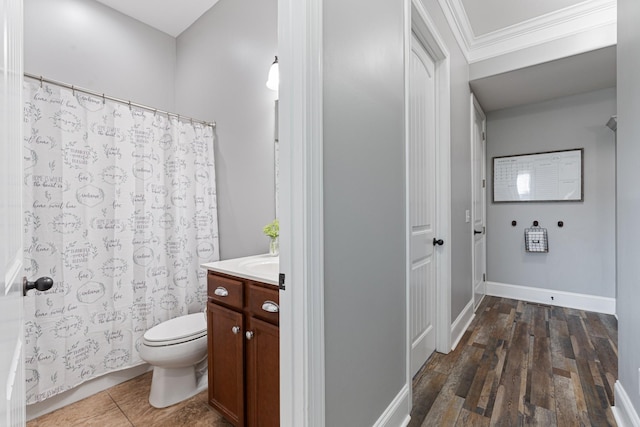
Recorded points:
(177,350)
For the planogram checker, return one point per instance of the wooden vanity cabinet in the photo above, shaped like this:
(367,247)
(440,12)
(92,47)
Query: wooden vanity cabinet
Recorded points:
(244,343)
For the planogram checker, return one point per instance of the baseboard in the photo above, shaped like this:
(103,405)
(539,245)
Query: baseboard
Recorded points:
(398,412)
(84,390)
(624,412)
(553,297)
(460,325)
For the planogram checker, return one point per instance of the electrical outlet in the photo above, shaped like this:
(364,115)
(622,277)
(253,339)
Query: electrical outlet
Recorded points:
(467,215)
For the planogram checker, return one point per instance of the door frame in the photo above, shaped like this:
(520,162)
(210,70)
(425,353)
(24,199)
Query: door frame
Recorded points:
(418,21)
(300,120)
(476,107)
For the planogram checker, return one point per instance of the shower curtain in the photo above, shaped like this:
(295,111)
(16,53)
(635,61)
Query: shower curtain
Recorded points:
(120,210)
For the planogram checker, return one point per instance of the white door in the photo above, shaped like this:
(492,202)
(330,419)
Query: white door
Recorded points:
(422,198)
(12,406)
(478,167)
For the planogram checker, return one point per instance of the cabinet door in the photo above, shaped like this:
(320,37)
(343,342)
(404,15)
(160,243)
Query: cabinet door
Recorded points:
(226,362)
(263,374)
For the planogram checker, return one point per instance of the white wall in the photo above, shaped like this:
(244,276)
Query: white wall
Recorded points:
(628,200)
(581,256)
(222,64)
(86,44)
(364,219)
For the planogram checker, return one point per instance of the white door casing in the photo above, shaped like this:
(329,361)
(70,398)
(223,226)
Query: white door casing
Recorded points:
(302,392)
(478,202)
(422,203)
(12,405)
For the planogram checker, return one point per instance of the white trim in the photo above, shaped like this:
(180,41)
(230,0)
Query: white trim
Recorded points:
(624,412)
(578,18)
(397,413)
(560,298)
(407,220)
(302,376)
(427,33)
(460,325)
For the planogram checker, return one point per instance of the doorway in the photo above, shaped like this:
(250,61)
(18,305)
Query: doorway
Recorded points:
(428,189)
(479,201)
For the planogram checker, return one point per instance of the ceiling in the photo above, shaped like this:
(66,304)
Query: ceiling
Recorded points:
(567,76)
(491,15)
(169,16)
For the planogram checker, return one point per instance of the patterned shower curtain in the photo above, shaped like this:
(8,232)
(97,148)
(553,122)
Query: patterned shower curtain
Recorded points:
(120,210)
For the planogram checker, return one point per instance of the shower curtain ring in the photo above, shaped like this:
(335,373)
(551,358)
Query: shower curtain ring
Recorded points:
(40,82)
(104,100)
(129,105)
(73,90)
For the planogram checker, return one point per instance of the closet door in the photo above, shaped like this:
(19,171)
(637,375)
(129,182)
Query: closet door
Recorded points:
(422,204)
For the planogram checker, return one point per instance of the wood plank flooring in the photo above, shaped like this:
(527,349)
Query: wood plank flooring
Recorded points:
(127,405)
(522,364)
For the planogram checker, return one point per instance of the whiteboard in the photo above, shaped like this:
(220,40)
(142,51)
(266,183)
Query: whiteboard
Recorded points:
(541,177)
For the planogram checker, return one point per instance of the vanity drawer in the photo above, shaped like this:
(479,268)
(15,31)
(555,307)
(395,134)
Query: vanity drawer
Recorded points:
(264,302)
(224,290)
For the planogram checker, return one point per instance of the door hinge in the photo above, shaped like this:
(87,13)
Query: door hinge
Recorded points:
(484,230)
(281,281)
(484,183)
(484,277)
(483,136)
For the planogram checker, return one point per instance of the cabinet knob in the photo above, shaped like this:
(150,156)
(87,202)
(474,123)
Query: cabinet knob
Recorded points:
(235,330)
(249,334)
(270,306)
(221,292)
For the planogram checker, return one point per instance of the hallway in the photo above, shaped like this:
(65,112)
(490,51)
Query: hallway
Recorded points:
(520,364)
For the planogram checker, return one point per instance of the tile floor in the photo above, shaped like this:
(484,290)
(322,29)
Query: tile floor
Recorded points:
(127,405)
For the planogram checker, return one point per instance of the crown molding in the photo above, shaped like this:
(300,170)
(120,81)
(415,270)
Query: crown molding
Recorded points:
(582,17)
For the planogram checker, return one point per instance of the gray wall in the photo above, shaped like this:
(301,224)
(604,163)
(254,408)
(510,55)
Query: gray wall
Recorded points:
(84,43)
(628,197)
(461,273)
(222,65)
(581,255)
(364,220)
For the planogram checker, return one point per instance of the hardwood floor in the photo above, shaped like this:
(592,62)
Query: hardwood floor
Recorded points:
(522,364)
(127,405)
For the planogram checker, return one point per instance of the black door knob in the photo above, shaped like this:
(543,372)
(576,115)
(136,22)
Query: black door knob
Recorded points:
(42,284)
(438,242)
(476,232)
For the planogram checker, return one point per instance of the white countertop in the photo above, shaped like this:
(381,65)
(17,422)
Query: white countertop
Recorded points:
(261,268)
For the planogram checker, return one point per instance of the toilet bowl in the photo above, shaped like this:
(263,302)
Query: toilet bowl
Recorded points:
(177,350)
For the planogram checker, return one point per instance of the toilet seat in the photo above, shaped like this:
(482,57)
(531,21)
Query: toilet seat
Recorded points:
(178,330)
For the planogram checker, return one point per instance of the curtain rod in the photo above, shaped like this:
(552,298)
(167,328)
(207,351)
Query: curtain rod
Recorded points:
(111,98)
